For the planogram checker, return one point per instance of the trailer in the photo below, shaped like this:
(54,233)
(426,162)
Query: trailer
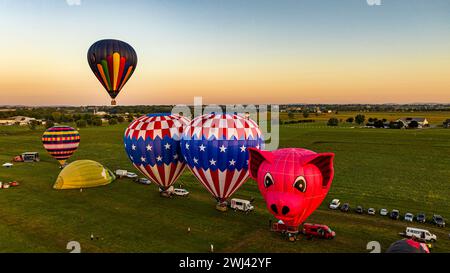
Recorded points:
(27,157)
(290,231)
(241,204)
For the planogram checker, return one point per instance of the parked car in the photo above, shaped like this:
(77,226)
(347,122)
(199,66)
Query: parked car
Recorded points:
(320,231)
(241,204)
(421,218)
(345,207)
(143,181)
(359,210)
(371,211)
(131,175)
(384,212)
(181,192)
(420,234)
(121,173)
(409,217)
(395,214)
(335,203)
(438,220)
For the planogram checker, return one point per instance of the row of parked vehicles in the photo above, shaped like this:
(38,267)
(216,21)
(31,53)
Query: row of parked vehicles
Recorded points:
(394,214)
(145,181)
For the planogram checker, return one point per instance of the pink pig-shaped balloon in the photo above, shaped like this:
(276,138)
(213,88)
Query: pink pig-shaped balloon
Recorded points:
(294,181)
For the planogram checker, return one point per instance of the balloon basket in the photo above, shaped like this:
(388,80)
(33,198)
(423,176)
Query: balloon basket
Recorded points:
(113,103)
(165,194)
(222,207)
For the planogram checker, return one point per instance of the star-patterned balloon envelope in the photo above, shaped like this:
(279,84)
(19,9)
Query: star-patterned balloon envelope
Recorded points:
(152,143)
(215,147)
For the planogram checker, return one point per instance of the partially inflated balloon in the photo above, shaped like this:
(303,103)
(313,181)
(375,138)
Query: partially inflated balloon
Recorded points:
(152,143)
(61,142)
(216,146)
(113,63)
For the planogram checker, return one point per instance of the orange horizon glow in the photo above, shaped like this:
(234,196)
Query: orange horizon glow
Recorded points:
(353,57)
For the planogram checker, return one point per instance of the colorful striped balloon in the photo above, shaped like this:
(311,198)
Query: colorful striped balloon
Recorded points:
(113,63)
(61,142)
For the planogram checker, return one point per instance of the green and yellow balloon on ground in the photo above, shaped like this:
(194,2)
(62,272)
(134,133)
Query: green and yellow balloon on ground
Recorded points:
(83,174)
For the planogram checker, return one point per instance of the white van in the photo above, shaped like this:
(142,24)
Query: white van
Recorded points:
(421,234)
(241,204)
(180,192)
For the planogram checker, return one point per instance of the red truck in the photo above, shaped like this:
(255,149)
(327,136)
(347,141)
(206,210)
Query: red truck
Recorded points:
(317,230)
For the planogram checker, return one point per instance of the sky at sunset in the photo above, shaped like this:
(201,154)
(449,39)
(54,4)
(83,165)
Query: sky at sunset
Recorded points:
(229,51)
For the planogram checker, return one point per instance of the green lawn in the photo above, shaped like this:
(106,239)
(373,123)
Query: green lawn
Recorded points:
(403,169)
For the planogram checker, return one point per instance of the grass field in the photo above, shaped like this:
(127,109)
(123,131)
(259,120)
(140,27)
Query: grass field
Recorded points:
(403,169)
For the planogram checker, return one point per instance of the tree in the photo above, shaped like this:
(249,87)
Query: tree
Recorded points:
(350,120)
(97,122)
(49,124)
(413,125)
(396,125)
(291,115)
(56,116)
(33,124)
(305,113)
(130,117)
(378,123)
(113,121)
(333,122)
(81,123)
(120,119)
(360,119)
(447,123)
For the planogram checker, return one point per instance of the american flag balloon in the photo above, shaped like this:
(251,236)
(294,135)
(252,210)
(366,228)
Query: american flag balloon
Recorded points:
(215,147)
(152,143)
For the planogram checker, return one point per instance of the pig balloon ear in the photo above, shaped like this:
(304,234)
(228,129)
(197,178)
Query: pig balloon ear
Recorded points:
(324,162)
(258,157)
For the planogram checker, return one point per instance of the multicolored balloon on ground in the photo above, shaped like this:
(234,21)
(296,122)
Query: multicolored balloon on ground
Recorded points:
(61,142)
(152,143)
(215,147)
(113,63)
(294,181)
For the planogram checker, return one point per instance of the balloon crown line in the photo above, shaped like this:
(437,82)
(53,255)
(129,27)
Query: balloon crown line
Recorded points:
(210,113)
(159,115)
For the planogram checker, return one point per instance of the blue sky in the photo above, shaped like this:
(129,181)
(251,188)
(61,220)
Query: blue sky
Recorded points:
(194,47)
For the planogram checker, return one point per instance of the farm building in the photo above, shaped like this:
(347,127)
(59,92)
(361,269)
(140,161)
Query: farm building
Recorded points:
(422,122)
(7,122)
(19,120)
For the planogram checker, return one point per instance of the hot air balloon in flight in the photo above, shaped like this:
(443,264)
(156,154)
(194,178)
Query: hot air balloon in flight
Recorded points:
(113,63)
(152,143)
(215,147)
(61,142)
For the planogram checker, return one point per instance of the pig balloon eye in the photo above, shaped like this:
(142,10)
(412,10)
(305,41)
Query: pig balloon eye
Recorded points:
(268,181)
(300,184)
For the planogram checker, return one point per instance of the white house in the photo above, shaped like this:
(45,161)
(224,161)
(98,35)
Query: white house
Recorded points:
(423,122)
(100,113)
